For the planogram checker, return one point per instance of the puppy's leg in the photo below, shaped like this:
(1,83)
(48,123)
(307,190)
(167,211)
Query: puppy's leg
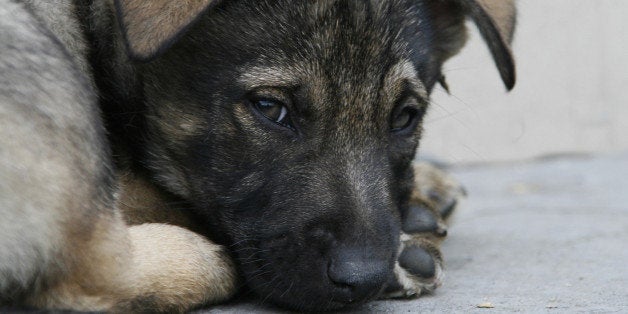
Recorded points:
(419,266)
(63,243)
(149,267)
(175,269)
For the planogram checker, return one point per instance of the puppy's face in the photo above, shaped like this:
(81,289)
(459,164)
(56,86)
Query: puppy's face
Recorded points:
(291,126)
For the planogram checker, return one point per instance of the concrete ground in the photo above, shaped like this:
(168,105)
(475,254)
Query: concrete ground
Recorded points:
(544,236)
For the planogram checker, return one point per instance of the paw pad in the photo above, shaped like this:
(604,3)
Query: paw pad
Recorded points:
(418,262)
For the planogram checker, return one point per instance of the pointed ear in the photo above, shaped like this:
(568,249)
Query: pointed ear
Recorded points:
(495,20)
(151,26)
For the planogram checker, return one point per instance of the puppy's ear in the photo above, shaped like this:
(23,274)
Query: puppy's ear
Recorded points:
(151,26)
(494,18)
(496,21)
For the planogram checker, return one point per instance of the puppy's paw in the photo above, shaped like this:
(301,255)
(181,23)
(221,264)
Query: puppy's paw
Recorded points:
(419,268)
(174,270)
(433,200)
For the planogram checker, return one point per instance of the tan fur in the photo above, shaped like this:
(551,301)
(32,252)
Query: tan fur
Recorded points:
(503,12)
(124,269)
(142,202)
(96,268)
(434,186)
(175,269)
(149,25)
(120,267)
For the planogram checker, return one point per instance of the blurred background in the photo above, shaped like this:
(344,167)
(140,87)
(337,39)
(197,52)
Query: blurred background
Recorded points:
(571,94)
(545,224)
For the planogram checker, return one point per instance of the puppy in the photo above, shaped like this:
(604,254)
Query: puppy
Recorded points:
(156,152)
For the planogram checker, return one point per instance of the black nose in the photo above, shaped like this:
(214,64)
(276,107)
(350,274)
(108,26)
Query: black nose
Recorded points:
(356,275)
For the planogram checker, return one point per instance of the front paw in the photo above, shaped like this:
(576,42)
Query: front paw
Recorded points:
(419,268)
(174,270)
(436,190)
(434,198)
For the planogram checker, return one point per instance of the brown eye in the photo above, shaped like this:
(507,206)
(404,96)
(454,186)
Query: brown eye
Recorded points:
(406,116)
(272,110)
(401,120)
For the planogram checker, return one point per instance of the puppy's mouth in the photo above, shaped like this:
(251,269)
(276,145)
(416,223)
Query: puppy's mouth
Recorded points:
(305,281)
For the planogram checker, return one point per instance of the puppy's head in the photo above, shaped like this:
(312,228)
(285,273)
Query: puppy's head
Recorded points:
(291,125)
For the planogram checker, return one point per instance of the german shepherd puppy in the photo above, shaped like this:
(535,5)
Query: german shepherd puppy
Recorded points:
(284,131)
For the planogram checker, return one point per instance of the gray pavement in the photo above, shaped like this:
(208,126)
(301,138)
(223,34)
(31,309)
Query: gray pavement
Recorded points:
(549,235)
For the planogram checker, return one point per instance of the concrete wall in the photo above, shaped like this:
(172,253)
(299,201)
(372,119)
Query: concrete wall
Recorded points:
(571,93)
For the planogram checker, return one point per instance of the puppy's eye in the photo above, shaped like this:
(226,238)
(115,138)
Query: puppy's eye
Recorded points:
(402,119)
(406,116)
(272,110)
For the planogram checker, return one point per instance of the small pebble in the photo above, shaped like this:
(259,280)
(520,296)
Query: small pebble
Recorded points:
(485,305)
